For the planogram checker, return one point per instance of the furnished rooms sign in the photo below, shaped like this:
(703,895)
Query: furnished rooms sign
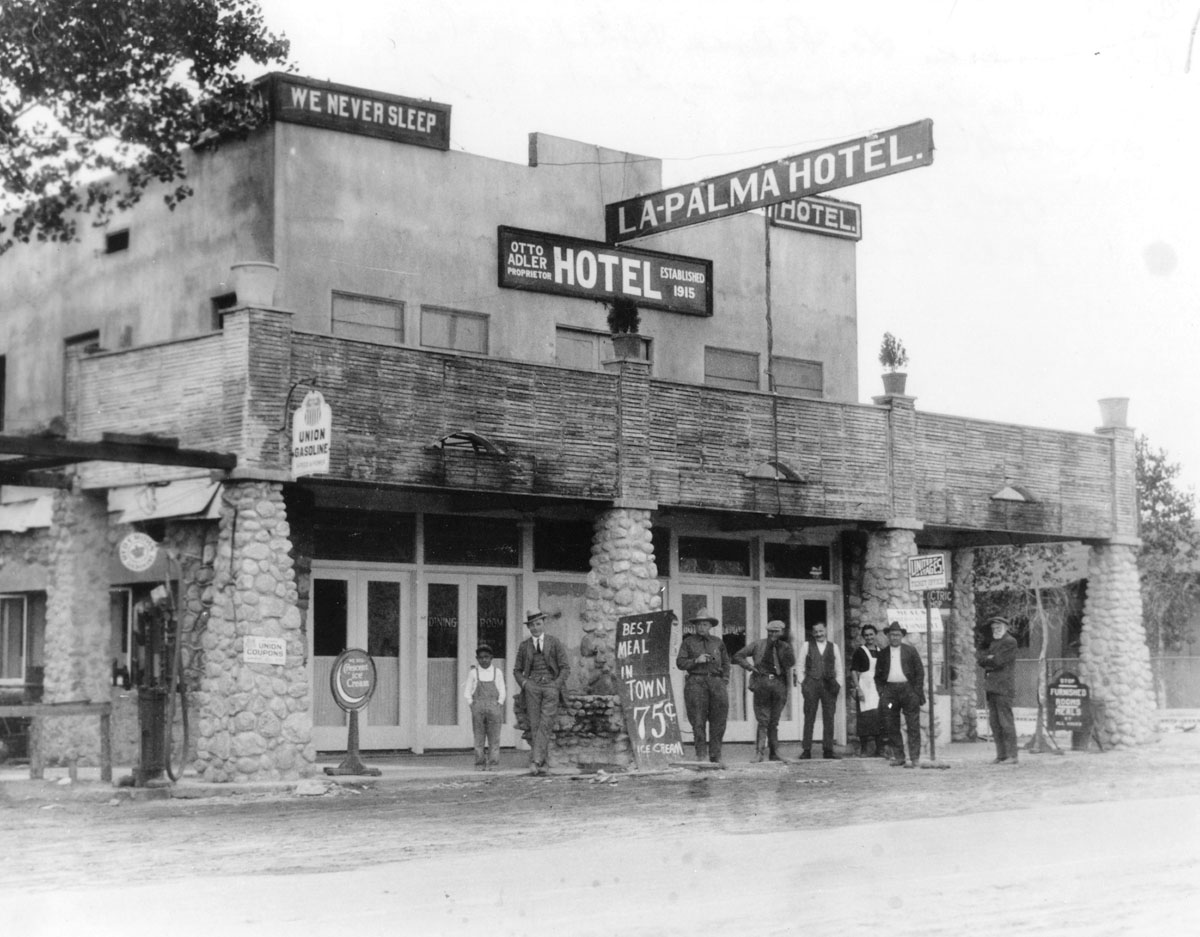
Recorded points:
(831,167)
(566,266)
(298,100)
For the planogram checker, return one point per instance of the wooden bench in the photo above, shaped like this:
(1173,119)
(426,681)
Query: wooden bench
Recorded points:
(40,711)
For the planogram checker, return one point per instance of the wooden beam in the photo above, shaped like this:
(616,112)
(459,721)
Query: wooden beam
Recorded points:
(114,451)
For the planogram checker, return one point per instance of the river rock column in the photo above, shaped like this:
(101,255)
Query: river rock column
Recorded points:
(78,632)
(623,581)
(963,717)
(885,576)
(1114,654)
(255,719)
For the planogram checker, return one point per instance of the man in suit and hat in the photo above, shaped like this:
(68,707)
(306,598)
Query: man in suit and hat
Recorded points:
(706,687)
(900,679)
(770,661)
(541,670)
(998,661)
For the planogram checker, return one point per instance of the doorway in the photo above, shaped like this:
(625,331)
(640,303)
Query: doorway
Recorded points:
(735,608)
(367,609)
(800,610)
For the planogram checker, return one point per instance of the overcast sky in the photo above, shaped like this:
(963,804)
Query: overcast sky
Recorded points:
(1049,257)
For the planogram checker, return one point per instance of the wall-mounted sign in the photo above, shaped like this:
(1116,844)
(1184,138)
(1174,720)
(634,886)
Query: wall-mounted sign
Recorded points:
(137,551)
(831,167)
(259,650)
(827,216)
(312,432)
(352,679)
(566,266)
(927,571)
(298,100)
(643,653)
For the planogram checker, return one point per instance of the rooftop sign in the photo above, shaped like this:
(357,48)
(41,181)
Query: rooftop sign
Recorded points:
(566,266)
(298,100)
(820,216)
(831,167)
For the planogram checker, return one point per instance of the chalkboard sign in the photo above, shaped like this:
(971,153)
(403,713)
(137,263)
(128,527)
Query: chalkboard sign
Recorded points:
(644,684)
(1069,706)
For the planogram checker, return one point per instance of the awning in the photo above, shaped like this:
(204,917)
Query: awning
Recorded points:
(189,497)
(19,516)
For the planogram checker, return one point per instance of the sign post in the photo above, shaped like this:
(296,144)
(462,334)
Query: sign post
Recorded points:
(644,685)
(925,572)
(352,681)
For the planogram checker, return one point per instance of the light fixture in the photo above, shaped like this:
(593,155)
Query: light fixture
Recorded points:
(775,470)
(465,439)
(1015,494)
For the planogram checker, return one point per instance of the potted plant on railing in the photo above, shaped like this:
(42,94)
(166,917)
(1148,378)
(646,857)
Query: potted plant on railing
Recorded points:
(623,324)
(893,357)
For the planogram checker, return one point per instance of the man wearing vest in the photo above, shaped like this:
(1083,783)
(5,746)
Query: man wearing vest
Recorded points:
(541,671)
(706,687)
(770,661)
(900,677)
(820,687)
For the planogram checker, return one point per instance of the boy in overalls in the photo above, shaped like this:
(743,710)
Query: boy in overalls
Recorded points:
(485,693)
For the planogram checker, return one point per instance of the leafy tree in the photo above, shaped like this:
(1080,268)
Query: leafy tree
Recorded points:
(98,97)
(1169,558)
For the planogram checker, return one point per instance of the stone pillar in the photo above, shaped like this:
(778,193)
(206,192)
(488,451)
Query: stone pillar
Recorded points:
(78,630)
(255,719)
(623,581)
(885,576)
(1115,658)
(962,648)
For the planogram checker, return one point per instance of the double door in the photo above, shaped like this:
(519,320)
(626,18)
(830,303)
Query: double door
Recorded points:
(799,610)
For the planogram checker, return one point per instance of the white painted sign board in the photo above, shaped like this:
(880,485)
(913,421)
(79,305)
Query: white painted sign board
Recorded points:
(927,571)
(259,650)
(312,433)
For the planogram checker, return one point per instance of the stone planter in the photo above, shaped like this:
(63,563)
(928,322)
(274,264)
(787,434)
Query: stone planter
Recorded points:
(254,283)
(1113,412)
(894,382)
(627,345)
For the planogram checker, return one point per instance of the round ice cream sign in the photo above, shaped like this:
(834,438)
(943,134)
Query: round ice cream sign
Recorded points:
(137,552)
(352,680)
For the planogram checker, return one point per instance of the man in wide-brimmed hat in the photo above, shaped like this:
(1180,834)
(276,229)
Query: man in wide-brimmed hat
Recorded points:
(900,679)
(998,661)
(541,670)
(706,687)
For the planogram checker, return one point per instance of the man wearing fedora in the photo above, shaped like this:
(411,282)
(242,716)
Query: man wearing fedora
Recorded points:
(770,661)
(900,679)
(998,661)
(541,670)
(706,687)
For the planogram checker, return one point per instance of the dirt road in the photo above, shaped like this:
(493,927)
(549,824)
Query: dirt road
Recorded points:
(1078,844)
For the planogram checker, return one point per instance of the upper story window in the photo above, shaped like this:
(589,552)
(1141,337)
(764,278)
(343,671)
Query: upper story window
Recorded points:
(454,329)
(115,241)
(796,377)
(586,351)
(220,304)
(367,318)
(724,367)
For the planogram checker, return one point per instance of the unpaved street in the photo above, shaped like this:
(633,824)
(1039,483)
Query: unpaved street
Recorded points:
(1077,844)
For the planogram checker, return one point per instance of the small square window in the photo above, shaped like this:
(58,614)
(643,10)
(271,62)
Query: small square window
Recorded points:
(454,329)
(795,377)
(116,241)
(724,367)
(368,318)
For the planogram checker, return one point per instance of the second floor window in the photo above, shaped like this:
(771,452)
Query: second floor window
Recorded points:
(454,330)
(795,377)
(367,318)
(724,367)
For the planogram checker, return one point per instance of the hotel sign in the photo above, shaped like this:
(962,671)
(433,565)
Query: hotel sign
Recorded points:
(831,167)
(298,100)
(818,215)
(566,266)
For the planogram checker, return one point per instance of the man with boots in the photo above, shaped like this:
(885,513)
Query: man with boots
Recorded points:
(900,677)
(820,687)
(706,687)
(769,661)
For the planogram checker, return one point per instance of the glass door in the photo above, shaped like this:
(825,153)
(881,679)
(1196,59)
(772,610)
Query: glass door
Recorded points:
(800,611)
(363,609)
(462,612)
(734,607)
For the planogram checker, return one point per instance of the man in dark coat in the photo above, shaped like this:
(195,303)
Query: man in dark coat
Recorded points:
(900,679)
(706,687)
(998,661)
(541,670)
(770,661)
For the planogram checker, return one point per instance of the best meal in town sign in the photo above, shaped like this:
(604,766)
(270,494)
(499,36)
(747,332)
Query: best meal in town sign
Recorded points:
(830,167)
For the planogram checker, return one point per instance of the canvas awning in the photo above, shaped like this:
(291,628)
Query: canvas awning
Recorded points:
(20,516)
(188,497)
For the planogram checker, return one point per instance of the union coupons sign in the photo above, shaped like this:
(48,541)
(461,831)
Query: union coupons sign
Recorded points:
(565,266)
(298,100)
(831,167)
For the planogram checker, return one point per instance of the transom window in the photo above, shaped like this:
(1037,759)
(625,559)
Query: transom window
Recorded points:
(724,367)
(454,329)
(714,557)
(796,377)
(367,318)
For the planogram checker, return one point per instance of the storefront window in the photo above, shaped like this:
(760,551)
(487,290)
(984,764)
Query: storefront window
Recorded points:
(796,561)
(471,541)
(714,557)
(364,536)
(565,546)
